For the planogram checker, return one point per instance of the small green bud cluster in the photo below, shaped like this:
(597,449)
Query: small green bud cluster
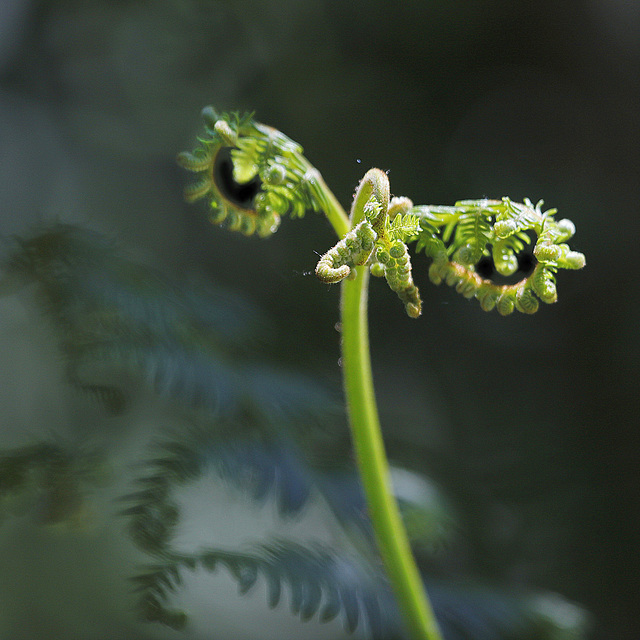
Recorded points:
(505,228)
(397,271)
(354,249)
(551,247)
(544,283)
(514,217)
(399,204)
(504,258)
(469,253)
(373,209)
(224,130)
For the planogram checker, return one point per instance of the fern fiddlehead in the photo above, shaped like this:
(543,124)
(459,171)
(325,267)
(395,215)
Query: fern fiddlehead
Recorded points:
(353,250)
(457,239)
(253,175)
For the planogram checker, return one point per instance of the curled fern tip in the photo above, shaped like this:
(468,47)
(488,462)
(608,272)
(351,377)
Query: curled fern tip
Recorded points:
(251,175)
(462,238)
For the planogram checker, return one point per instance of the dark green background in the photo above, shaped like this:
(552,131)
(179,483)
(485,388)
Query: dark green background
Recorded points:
(529,423)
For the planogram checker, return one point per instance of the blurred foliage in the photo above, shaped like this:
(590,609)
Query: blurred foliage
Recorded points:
(118,315)
(49,479)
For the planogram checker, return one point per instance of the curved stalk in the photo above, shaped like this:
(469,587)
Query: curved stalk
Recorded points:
(389,530)
(334,213)
(391,536)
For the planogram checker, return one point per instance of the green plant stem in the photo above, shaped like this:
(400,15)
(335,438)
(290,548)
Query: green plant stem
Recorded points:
(391,536)
(390,533)
(335,214)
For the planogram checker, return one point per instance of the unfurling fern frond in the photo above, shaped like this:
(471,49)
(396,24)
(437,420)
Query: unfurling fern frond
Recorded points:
(254,175)
(386,226)
(397,271)
(251,174)
(353,250)
(459,238)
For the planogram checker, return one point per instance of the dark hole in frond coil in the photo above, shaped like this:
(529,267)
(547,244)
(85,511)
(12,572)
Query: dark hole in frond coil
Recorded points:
(240,195)
(526,264)
(485,268)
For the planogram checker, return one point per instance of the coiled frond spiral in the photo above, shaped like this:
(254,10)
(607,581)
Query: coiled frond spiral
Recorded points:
(354,249)
(458,238)
(251,174)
